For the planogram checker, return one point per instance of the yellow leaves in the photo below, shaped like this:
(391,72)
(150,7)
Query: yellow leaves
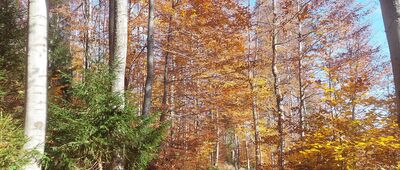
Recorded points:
(339,158)
(205,149)
(361,144)
(262,128)
(387,139)
(338,149)
(317,145)
(309,151)
(329,90)
(312,150)
(326,69)
(396,146)
(229,84)
(21,92)
(183,13)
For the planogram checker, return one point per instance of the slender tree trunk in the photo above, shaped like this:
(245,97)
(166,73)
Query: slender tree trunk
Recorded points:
(166,70)
(237,150)
(255,116)
(247,154)
(251,76)
(391,18)
(111,30)
(119,45)
(300,71)
(233,156)
(354,91)
(36,84)
(256,132)
(216,159)
(171,108)
(278,95)
(87,16)
(150,61)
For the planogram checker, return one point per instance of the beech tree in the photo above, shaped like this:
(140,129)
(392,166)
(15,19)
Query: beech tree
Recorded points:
(391,17)
(150,60)
(256,84)
(36,83)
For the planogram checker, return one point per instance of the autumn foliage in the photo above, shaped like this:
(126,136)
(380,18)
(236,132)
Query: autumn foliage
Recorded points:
(243,82)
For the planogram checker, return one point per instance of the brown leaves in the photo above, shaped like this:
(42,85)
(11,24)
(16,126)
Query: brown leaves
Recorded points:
(304,13)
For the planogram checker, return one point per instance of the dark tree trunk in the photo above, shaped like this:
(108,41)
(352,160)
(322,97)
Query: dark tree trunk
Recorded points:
(150,61)
(391,18)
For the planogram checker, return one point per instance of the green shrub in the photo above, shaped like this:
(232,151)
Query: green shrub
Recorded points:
(85,131)
(12,140)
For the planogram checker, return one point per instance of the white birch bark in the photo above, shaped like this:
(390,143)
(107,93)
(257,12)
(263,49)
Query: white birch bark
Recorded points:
(120,44)
(36,85)
(276,87)
(118,52)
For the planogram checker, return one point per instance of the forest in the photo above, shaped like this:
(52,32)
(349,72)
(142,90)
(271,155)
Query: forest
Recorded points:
(198,84)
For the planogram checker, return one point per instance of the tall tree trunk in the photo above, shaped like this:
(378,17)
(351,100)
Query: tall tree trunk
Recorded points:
(150,61)
(247,153)
(254,113)
(36,84)
(166,70)
(111,30)
(217,147)
(87,17)
(299,71)
(251,76)
(237,150)
(119,45)
(277,91)
(391,18)
(256,131)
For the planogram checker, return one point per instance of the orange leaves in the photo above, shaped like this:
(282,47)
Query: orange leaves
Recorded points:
(286,6)
(304,13)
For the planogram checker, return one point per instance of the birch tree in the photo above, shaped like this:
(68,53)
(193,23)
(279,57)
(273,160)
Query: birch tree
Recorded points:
(118,51)
(36,85)
(391,19)
(119,42)
(276,87)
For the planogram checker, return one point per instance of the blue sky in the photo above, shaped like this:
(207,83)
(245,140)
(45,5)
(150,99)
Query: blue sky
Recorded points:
(378,36)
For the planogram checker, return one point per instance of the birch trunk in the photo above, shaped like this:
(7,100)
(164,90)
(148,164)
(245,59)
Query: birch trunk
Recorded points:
(391,18)
(150,61)
(277,91)
(247,153)
(216,160)
(237,151)
(118,52)
(36,85)
(300,70)
(119,44)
